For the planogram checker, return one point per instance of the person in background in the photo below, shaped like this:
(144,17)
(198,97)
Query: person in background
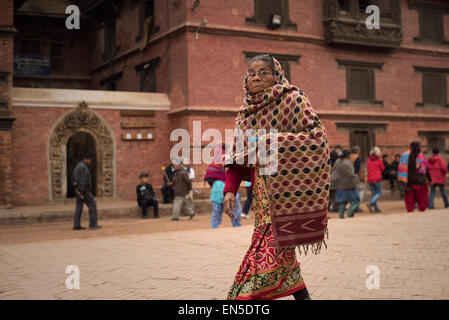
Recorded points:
(358,170)
(145,196)
(82,182)
(345,182)
(167,188)
(181,187)
(386,171)
(334,154)
(191,173)
(249,200)
(394,172)
(437,171)
(374,168)
(413,173)
(215,177)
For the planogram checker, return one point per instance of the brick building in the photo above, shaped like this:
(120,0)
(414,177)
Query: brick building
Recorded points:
(173,62)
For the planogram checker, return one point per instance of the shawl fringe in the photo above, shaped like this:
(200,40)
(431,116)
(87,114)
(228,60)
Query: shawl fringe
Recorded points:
(315,247)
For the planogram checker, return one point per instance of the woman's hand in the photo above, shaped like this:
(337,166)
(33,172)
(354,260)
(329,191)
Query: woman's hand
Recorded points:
(229,203)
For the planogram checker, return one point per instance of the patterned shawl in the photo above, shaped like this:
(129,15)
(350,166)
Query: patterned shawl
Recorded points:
(299,189)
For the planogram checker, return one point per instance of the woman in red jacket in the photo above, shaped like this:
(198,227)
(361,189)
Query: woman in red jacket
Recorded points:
(438,171)
(374,167)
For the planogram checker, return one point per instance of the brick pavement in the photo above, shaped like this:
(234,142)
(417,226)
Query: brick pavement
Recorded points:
(410,250)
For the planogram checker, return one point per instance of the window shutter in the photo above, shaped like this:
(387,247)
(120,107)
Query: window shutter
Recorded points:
(433,88)
(360,86)
(430,25)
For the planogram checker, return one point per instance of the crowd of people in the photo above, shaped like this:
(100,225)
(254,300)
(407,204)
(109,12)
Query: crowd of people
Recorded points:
(410,173)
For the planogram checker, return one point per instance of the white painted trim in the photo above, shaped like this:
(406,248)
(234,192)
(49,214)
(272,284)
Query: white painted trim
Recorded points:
(95,99)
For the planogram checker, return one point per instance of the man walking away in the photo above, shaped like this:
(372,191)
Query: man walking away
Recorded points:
(181,187)
(437,171)
(82,181)
(145,197)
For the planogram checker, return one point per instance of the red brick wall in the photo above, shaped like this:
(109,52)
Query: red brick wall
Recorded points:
(207,71)
(6,65)
(30,153)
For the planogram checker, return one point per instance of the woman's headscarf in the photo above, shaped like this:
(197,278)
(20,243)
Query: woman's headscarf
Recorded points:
(299,189)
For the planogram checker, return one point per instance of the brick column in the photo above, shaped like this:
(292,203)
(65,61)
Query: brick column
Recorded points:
(7,33)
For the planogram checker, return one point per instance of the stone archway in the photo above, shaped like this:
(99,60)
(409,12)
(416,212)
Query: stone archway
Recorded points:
(78,120)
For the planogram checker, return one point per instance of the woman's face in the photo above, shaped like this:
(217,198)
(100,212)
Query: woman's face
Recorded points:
(260,76)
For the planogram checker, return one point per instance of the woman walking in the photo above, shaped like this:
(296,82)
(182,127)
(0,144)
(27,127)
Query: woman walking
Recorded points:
(374,167)
(345,181)
(290,205)
(413,173)
(215,177)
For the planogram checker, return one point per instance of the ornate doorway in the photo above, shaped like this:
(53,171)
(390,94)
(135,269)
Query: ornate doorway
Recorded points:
(81,125)
(79,143)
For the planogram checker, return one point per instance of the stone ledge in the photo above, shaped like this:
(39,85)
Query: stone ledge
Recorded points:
(96,99)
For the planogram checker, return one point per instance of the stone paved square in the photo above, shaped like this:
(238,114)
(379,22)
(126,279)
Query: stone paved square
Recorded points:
(410,250)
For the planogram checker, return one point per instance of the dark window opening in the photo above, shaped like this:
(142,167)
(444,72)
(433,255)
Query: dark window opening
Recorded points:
(264,11)
(365,3)
(148,80)
(110,83)
(111,86)
(147,73)
(344,5)
(110,45)
(30,47)
(56,57)
(146,18)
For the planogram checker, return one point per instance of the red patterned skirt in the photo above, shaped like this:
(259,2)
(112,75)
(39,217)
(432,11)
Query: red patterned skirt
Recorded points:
(262,275)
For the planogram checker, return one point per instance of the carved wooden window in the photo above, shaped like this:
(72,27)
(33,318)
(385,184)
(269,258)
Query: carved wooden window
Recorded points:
(433,86)
(360,81)
(263,9)
(109,40)
(343,18)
